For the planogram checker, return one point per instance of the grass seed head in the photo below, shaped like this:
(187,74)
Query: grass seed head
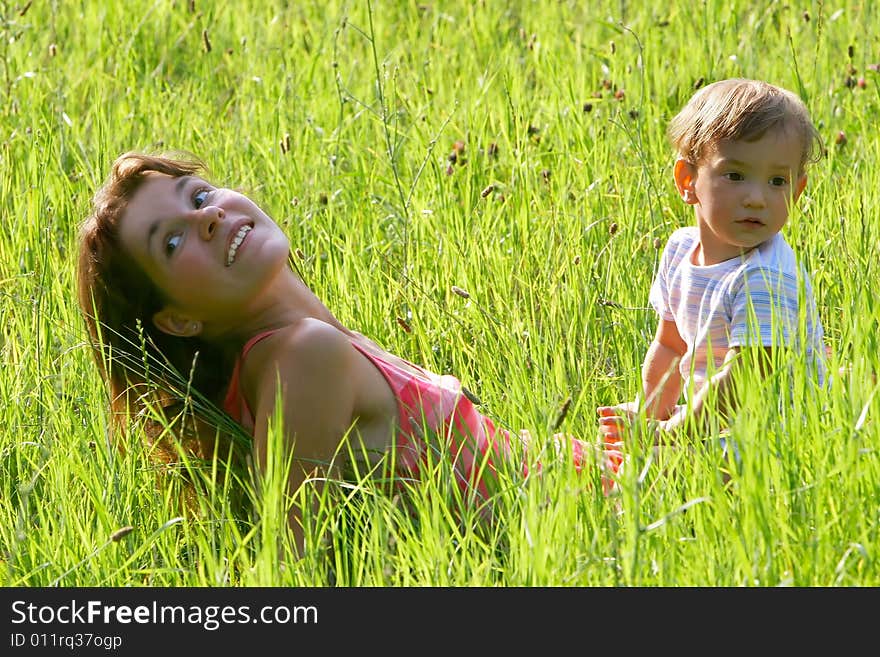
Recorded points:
(471,396)
(560,416)
(121,533)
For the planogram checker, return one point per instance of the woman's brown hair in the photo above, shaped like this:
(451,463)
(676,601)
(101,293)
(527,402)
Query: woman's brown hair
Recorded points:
(143,367)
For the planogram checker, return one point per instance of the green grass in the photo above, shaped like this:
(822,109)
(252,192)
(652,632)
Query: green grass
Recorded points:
(368,100)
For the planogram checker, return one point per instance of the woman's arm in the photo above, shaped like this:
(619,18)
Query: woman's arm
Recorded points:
(309,373)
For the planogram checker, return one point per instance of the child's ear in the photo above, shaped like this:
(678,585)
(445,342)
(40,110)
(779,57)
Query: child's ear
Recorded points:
(799,187)
(685,175)
(171,322)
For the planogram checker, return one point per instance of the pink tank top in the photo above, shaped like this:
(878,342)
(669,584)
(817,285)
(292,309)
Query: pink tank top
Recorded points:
(434,417)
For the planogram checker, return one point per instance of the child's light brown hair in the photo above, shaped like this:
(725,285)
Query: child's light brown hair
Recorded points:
(741,109)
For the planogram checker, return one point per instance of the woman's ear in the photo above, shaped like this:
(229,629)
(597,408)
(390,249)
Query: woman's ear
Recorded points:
(171,322)
(685,176)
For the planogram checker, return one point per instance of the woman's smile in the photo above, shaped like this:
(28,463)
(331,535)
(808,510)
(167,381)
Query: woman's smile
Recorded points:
(237,237)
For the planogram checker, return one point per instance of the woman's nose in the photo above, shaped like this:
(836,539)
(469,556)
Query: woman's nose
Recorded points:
(210,221)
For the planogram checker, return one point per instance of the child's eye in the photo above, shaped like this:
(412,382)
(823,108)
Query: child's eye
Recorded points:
(733,175)
(172,243)
(778,181)
(199,198)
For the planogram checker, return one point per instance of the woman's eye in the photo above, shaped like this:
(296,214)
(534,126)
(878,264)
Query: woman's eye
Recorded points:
(199,198)
(172,243)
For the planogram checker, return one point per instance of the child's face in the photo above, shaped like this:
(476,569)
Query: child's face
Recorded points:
(741,191)
(211,251)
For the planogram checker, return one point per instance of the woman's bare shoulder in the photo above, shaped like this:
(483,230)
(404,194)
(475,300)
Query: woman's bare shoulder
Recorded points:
(309,349)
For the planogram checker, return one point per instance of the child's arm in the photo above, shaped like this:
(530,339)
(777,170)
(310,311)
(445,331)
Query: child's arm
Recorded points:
(692,419)
(661,385)
(721,387)
(765,310)
(661,380)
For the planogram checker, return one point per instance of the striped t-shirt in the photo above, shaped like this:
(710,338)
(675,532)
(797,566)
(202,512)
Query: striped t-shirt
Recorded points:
(749,300)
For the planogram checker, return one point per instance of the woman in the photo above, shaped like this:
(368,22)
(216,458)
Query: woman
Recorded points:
(177,275)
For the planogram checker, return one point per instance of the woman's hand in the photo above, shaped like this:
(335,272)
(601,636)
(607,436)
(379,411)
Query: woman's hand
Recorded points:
(616,424)
(628,409)
(613,426)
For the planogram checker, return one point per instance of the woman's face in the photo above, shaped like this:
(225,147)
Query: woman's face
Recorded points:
(212,252)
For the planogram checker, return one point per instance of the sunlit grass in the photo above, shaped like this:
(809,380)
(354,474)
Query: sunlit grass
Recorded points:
(550,216)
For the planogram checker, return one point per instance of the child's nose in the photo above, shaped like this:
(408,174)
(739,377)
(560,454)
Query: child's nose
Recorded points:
(755,197)
(209,221)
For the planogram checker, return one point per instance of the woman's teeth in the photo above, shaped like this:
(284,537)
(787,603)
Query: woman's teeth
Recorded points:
(236,242)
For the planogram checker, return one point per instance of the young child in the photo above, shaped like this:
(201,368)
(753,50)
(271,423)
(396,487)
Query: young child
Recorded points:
(730,282)
(175,270)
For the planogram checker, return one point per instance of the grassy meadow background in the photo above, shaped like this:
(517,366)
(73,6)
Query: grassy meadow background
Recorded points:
(514,150)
